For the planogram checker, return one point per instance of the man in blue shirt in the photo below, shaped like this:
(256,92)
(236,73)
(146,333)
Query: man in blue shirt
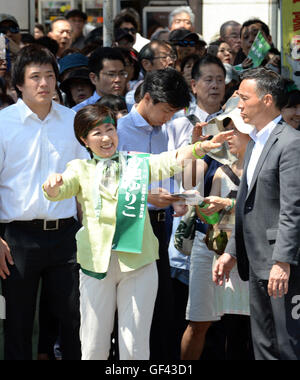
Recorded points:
(108,75)
(164,93)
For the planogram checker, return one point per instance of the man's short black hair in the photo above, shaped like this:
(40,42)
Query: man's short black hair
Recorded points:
(206,60)
(102,53)
(264,26)
(36,54)
(167,86)
(76,13)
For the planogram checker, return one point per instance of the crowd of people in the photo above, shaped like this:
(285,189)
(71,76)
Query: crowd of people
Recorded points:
(93,224)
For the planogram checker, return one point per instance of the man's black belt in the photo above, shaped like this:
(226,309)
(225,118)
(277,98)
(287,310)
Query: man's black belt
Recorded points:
(158,215)
(45,225)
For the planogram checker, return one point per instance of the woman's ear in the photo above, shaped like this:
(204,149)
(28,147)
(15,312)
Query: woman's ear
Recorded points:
(84,141)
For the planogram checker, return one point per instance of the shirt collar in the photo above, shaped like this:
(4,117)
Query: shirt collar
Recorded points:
(265,133)
(138,119)
(25,112)
(95,96)
(204,116)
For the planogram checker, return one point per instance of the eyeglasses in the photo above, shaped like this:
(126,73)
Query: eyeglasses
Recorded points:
(185,43)
(234,36)
(113,76)
(11,29)
(172,57)
(130,30)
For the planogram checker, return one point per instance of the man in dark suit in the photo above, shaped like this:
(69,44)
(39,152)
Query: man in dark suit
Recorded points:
(266,240)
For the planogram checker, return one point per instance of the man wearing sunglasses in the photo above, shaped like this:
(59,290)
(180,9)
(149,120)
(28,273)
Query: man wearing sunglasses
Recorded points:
(185,41)
(10,27)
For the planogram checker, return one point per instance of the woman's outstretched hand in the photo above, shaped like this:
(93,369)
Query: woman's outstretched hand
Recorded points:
(52,185)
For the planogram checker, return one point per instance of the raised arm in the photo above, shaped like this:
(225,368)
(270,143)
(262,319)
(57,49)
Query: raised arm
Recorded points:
(62,186)
(201,148)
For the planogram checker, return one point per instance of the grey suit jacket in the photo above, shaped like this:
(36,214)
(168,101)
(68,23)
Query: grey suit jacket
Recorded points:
(268,213)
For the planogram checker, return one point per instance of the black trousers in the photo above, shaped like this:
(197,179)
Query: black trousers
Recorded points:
(50,256)
(181,294)
(275,323)
(161,335)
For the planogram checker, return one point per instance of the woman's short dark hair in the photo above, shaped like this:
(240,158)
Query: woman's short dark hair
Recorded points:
(293,99)
(186,59)
(40,27)
(164,86)
(114,102)
(213,47)
(31,54)
(292,93)
(204,61)
(88,117)
(268,82)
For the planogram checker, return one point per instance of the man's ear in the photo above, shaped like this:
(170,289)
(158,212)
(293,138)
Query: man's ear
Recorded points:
(147,98)
(268,100)
(193,85)
(93,78)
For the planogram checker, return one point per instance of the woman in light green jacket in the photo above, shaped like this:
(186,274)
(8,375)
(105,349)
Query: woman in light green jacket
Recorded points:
(116,247)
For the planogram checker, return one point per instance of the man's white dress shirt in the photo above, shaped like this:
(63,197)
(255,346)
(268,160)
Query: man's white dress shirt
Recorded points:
(260,138)
(30,150)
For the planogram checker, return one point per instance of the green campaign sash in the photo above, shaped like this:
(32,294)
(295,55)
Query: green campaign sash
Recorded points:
(132,203)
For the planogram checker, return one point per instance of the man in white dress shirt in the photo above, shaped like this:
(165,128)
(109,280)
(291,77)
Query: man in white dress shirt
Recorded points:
(38,237)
